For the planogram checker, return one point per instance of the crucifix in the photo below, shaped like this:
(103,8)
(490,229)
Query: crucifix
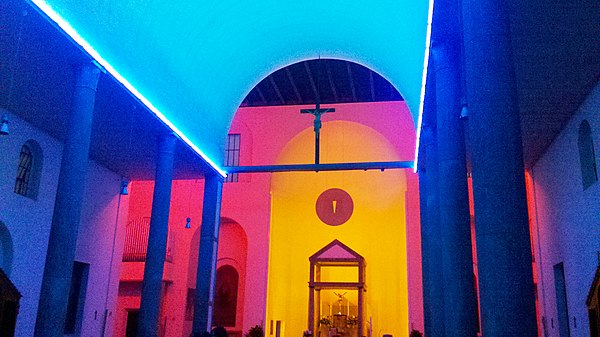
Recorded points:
(340,300)
(317,112)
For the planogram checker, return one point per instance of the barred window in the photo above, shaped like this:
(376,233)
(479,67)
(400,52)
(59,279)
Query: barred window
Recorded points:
(24,171)
(232,155)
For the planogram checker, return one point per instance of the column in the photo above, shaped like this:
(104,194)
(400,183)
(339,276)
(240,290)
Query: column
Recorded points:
(433,287)
(312,308)
(502,230)
(56,281)
(157,240)
(425,247)
(457,259)
(207,258)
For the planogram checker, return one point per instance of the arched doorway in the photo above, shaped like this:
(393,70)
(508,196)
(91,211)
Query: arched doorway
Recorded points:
(230,279)
(226,295)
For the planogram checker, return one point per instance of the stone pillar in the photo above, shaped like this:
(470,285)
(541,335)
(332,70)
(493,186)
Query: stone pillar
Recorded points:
(459,290)
(431,237)
(502,230)
(157,240)
(207,258)
(56,281)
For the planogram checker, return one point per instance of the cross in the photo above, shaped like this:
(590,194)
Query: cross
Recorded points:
(317,112)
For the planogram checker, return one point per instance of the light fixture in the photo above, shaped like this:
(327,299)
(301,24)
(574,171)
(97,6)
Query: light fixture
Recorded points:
(66,27)
(464,113)
(4,125)
(124,184)
(188,223)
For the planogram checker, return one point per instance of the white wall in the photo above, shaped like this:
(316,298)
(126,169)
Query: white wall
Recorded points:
(567,220)
(28,222)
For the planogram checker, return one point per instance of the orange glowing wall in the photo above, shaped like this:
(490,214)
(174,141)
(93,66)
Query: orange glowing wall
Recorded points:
(376,229)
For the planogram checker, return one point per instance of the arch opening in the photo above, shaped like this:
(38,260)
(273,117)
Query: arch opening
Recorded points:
(228,310)
(376,229)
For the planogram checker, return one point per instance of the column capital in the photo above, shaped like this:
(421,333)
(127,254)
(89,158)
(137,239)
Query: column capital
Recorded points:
(214,175)
(88,75)
(166,143)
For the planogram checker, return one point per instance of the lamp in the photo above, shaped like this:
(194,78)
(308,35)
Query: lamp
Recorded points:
(4,125)
(124,190)
(188,223)
(464,113)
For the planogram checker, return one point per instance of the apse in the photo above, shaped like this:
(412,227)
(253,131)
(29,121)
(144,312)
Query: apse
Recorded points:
(372,224)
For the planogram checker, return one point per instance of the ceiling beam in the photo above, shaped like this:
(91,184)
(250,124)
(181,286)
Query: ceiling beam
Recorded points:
(372,86)
(361,166)
(291,78)
(351,82)
(331,83)
(277,90)
(260,94)
(312,82)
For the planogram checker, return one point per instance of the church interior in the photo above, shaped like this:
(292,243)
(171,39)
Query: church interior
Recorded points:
(315,169)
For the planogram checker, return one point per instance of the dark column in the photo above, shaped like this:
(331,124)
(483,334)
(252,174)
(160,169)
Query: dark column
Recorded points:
(207,258)
(502,230)
(157,239)
(459,289)
(56,282)
(431,236)
(425,248)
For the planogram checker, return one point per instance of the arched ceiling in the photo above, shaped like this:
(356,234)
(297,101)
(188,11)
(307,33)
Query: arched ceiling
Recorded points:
(193,62)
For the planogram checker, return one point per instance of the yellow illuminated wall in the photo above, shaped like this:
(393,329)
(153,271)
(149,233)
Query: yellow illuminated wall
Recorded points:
(376,229)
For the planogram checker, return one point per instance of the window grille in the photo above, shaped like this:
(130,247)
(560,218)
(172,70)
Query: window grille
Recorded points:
(232,155)
(24,171)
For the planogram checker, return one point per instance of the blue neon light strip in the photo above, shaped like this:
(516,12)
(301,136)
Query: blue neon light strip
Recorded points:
(69,30)
(423,82)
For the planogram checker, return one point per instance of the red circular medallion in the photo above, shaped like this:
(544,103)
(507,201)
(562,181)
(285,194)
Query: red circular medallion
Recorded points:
(334,206)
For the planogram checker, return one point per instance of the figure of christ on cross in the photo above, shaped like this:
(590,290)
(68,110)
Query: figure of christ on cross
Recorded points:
(317,112)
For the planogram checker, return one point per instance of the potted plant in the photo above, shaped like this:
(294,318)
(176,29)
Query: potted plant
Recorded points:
(415,333)
(324,321)
(255,331)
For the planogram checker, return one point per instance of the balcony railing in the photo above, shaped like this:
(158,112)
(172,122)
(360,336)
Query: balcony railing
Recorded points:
(136,241)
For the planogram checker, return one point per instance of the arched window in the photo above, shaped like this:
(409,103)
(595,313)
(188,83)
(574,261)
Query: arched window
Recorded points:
(29,170)
(587,158)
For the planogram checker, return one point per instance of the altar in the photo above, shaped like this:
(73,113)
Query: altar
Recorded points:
(337,292)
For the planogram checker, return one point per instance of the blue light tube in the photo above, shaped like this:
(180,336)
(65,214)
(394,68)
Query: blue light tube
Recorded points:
(423,82)
(70,31)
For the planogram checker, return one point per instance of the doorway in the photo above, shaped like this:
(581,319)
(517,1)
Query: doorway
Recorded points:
(132,322)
